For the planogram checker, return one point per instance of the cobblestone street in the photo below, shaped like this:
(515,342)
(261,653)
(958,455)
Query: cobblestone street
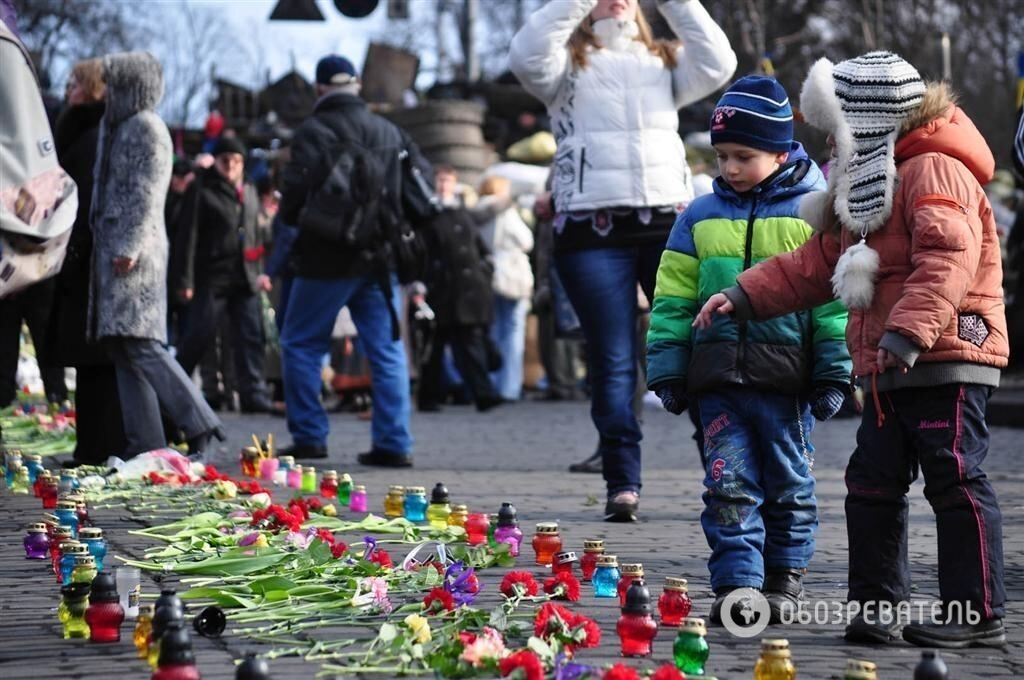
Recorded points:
(520,453)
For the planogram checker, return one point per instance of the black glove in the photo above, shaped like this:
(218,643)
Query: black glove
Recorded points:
(673,396)
(826,400)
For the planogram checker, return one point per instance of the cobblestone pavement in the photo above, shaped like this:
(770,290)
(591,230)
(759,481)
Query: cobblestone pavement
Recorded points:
(520,453)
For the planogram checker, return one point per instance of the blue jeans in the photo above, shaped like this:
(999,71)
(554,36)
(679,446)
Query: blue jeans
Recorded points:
(760,512)
(509,334)
(313,306)
(601,284)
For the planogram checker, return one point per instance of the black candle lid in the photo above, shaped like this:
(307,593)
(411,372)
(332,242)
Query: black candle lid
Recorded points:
(104,588)
(210,622)
(507,516)
(638,598)
(75,591)
(164,616)
(168,596)
(439,494)
(176,646)
(253,668)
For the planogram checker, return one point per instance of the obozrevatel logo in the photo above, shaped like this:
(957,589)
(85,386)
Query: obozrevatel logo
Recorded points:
(750,607)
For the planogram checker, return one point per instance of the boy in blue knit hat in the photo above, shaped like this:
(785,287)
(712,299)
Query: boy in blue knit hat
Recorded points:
(755,385)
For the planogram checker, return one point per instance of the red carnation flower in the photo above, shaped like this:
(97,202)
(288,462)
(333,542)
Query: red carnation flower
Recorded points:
(471,584)
(525,659)
(466,637)
(438,600)
(592,630)
(563,585)
(620,672)
(325,535)
(517,584)
(313,503)
(381,557)
(552,618)
(668,672)
(338,549)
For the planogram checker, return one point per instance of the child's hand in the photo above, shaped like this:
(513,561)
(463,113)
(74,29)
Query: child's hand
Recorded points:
(887,359)
(717,303)
(673,396)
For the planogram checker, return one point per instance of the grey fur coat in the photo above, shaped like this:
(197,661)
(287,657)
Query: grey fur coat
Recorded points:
(132,173)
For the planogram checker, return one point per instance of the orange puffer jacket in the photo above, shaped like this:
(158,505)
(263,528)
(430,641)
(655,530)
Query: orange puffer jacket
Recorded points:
(939,282)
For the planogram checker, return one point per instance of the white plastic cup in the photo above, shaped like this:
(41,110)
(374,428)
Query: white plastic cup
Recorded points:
(129,589)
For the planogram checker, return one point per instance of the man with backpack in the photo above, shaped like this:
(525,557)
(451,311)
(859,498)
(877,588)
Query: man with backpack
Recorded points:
(343,188)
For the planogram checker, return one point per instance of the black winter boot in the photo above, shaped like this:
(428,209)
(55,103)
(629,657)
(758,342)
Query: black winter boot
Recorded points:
(783,588)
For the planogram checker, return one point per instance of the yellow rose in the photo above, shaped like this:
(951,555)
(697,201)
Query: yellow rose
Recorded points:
(261,541)
(329,510)
(224,489)
(419,626)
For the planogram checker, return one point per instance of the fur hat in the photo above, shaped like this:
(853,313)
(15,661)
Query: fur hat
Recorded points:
(862,103)
(754,112)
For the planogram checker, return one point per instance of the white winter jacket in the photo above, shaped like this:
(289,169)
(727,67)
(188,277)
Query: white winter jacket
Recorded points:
(616,120)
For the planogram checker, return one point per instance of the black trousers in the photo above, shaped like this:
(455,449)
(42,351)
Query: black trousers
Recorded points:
(941,430)
(469,350)
(100,429)
(242,308)
(33,306)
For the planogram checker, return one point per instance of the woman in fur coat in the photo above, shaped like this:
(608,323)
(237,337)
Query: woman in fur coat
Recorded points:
(128,294)
(100,430)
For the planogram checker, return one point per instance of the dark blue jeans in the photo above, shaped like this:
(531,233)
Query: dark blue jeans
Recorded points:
(601,284)
(941,429)
(760,512)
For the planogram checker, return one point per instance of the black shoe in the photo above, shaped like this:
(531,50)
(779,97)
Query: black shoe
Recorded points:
(783,590)
(256,405)
(488,403)
(715,615)
(304,451)
(990,633)
(592,464)
(215,402)
(622,507)
(199,445)
(384,458)
(429,407)
(871,632)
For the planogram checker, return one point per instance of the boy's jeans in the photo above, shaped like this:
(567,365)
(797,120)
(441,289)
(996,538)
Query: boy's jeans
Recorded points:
(943,430)
(759,508)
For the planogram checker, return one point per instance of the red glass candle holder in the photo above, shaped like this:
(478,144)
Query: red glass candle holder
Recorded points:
(546,542)
(329,484)
(592,549)
(563,562)
(477,526)
(48,491)
(636,627)
(674,604)
(629,573)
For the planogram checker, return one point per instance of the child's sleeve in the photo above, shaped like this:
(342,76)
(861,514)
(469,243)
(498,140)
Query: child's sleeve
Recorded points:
(674,307)
(832,363)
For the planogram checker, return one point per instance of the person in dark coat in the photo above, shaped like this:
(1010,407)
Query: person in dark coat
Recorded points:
(216,268)
(128,289)
(459,291)
(100,430)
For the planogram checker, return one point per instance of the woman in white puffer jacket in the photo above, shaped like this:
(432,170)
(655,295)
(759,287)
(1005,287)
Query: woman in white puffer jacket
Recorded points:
(620,176)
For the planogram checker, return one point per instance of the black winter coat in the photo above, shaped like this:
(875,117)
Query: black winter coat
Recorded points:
(346,117)
(459,274)
(215,232)
(76,136)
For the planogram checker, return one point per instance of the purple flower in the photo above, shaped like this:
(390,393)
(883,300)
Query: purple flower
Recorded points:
(568,670)
(461,582)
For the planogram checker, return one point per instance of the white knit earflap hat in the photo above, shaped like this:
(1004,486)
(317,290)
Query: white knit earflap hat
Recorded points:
(862,102)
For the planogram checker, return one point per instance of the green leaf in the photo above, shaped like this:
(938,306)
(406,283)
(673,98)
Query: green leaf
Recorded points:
(305,591)
(498,619)
(224,599)
(275,596)
(231,566)
(540,648)
(272,583)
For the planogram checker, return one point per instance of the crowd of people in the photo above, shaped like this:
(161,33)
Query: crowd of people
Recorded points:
(771,295)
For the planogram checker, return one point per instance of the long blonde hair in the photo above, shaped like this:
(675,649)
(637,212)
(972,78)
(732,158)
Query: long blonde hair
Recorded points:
(583,38)
(89,74)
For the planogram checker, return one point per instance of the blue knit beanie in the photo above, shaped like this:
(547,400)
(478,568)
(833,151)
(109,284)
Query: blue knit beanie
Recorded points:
(754,112)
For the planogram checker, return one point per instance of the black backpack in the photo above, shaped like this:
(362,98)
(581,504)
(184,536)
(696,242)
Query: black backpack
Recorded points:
(345,207)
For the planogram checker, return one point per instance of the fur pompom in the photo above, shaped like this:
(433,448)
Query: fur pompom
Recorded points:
(819,104)
(814,207)
(854,279)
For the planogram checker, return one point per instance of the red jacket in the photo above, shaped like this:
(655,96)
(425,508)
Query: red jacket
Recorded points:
(939,284)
